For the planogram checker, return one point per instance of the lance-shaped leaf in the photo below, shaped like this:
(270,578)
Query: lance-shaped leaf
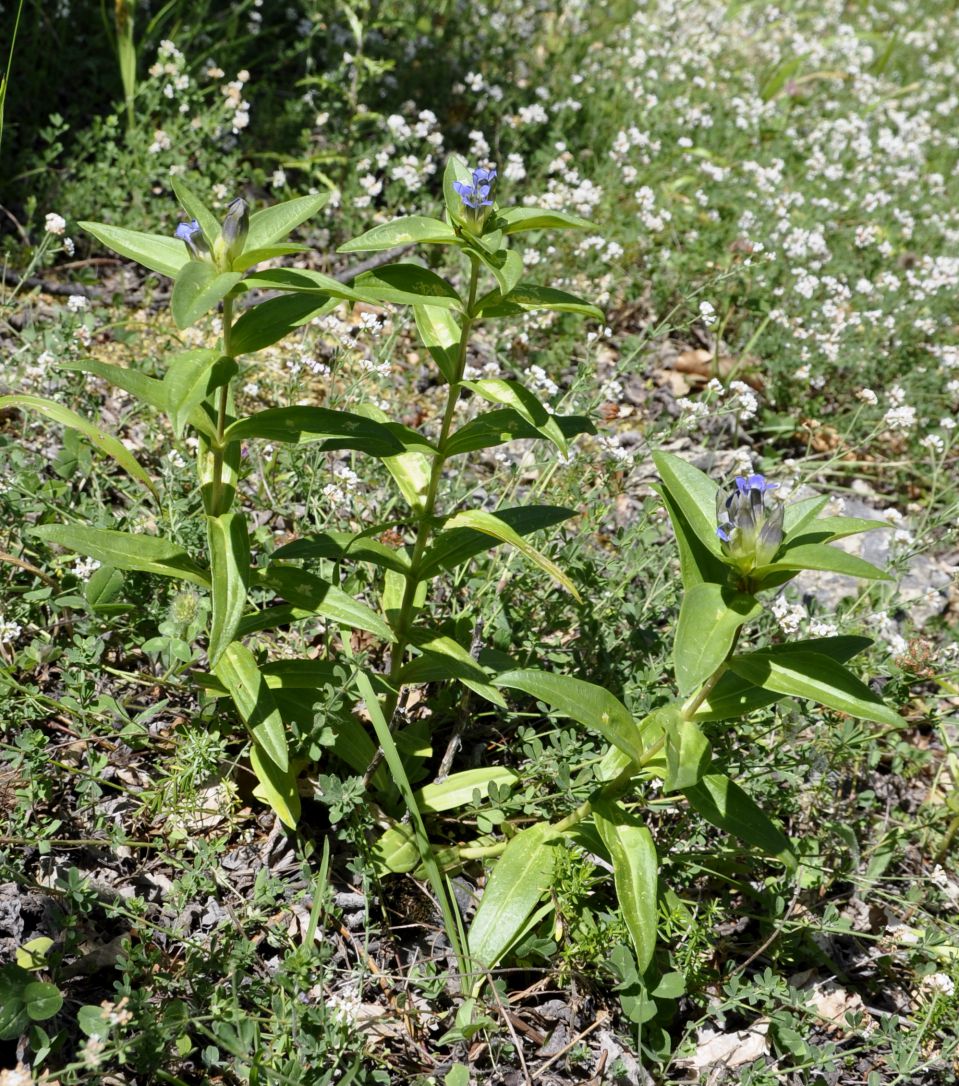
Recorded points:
(229,543)
(408,230)
(198,288)
(97,437)
(505,264)
(528,297)
(312,593)
(299,425)
(799,556)
(522,875)
(196,209)
(709,619)
(592,706)
(146,389)
(123,550)
(266,323)
(695,495)
(343,546)
(276,786)
(300,281)
(688,753)
(190,377)
(498,427)
(490,524)
(635,874)
(512,394)
(441,333)
(159,253)
(459,789)
(237,670)
(454,546)
(455,170)
(443,659)
(723,803)
(829,529)
(734,696)
(809,674)
(250,257)
(407,284)
(697,563)
(797,515)
(272,224)
(514,220)
(411,468)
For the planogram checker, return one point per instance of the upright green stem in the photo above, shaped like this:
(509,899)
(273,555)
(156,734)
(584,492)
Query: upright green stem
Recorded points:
(425,529)
(217,494)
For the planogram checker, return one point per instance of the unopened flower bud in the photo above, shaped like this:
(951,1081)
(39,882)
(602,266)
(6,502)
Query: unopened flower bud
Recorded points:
(184,608)
(235,227)
(750,531)
(191,234)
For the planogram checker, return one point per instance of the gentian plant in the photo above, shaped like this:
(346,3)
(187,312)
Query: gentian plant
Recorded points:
(753,546)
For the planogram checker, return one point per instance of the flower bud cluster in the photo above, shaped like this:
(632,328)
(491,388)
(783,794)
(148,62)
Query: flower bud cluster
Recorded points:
(227,246)
(750,530)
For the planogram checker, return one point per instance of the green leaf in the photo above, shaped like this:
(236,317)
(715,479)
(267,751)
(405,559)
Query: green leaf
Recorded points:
(276,786)
(229,543)
(411,229)
(410,469)
(522,875)
(456,169)
(505,264)
(148,390)
(159,253)
(300,281)
(490,524)
(123,550)
(105,442)
(592,706)
(407,284)
(440,333)
(190,377)
(443,659)
(250,257)
(272,224)
(810,674)
(33,954)
(458,789)
(42,1000)
(514,395)
(697,563)
(695,495)
(723,803)
(635,874)
(196,209)
(299,425)
(498,427)
(269,321)
(340,546)
(454,546)
(688,754)
(797,515)
(238,671)
(829,529)
(528,297)
(800,556)
(709,619)
(734,696)
(515,220)
(311,593)
(197,289)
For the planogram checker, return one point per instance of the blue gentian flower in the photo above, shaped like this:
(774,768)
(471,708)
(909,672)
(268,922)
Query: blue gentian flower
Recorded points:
(191,234)
(478,194)
(749,530)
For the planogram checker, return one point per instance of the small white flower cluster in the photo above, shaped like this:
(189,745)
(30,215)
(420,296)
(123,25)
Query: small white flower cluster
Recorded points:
(84,568)
(236,106)
(790,616)
(9,631)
